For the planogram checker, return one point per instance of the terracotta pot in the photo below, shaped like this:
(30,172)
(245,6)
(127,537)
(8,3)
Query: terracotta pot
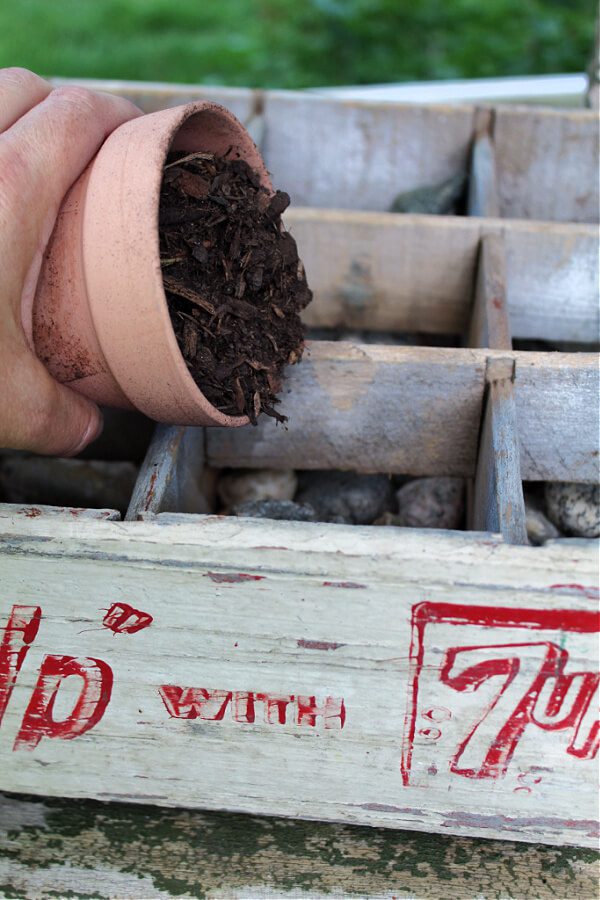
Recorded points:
(100,317)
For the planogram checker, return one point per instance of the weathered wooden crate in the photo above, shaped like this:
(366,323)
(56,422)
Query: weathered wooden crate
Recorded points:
(431,680)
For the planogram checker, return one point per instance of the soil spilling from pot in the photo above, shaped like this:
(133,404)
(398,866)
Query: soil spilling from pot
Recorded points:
(233,279)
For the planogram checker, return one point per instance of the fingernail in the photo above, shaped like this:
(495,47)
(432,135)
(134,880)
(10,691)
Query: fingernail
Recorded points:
(92,432)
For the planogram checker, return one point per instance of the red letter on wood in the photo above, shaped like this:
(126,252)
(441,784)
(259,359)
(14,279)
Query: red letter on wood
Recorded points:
(20,632)
(96,688)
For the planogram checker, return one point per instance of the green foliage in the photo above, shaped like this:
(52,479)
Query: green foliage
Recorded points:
(296,43)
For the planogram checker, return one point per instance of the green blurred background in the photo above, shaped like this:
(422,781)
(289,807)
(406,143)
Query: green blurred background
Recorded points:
(296,43)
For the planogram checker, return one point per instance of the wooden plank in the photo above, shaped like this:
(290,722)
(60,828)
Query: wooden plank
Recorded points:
(417,411)
(56,847)
(546,159)
(411,273)
(388,272)
(490,326)
(369,408)
(373,633)
(546,164)
(169,478)
(360,155)
(498,503)
(483,190)
(14,511)
(558,417)
(552,277)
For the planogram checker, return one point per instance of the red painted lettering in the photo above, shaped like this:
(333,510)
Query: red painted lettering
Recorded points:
(201,703)
(332,711)
(275,706)
(38,721)
(514,696)
(194,703)
(124,619)
(19,634)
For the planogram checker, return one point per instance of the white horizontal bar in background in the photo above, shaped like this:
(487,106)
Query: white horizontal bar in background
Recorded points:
(560,90)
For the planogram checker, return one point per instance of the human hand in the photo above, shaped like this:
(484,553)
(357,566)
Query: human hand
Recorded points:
(47,138)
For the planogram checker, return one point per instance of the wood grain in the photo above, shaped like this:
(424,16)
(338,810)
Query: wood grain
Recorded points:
(169,478)
(547,163)
(360,155)
(382,271)
(498,492)
(490,325)
(298,609)
(417,411)
(558,417)
(496,502)
(483,190)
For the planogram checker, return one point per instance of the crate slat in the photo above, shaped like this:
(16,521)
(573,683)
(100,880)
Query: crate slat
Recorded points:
(490,326)
(417,411)
(546,160)
(483,190)
(382,271)
(558,417)
(295,610)
(547,163)
(169,478)
(353,155)
(498,503)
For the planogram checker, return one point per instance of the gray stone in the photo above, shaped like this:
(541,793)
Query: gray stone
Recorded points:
(574,508)
(346,497)
(433,199)
(539,528)
(275,509)
(241,485)
(437,502)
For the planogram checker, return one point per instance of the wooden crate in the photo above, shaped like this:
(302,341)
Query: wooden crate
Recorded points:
(429,680)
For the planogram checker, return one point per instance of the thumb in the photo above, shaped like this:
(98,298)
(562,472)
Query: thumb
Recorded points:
(45,416)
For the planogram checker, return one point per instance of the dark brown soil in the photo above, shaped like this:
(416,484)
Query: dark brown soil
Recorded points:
(233,280)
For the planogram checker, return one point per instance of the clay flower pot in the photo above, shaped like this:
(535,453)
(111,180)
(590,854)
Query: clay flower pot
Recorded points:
(100,317)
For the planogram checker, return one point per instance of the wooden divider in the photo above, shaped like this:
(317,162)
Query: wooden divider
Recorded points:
(417,411)
(412,273)
(483,193)
(169,478)
(351,154)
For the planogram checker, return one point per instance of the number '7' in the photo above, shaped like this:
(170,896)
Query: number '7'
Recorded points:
(550,700)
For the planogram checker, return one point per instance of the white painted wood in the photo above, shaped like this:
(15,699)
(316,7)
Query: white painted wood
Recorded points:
(353,155)
(294,609)
(417,411)
(383,271)
(547,164)
(14,510)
